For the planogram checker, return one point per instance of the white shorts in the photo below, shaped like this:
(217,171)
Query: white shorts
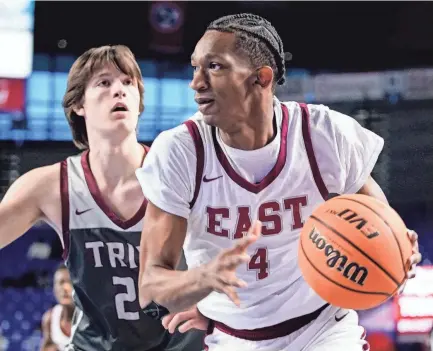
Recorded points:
(334,330)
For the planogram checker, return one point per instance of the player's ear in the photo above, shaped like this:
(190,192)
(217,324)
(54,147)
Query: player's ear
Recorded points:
(264,76)
(79,110)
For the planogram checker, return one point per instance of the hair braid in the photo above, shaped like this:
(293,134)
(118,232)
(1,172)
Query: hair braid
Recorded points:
(258,38)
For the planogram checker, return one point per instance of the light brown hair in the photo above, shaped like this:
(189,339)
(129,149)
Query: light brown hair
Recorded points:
(79,76)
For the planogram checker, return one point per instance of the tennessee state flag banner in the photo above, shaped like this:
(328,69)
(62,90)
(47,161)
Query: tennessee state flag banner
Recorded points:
(166,19)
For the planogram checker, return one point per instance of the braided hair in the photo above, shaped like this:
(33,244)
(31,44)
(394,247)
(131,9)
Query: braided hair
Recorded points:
(258,39)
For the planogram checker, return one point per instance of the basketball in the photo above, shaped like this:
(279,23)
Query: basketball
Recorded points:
(353,251)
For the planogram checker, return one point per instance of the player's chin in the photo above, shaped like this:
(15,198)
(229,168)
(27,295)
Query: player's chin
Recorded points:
(66,301)
(213,119)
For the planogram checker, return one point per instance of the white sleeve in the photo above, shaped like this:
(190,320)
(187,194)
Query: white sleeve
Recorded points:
(167,176)
(346,152)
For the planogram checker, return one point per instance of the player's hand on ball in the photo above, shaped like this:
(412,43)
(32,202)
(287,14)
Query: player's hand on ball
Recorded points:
(193,320)
(221,271)
(416,256)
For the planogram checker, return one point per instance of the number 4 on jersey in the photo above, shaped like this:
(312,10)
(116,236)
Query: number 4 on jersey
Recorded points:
(259,262)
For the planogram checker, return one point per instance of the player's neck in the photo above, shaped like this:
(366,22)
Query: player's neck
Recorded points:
(256,132)
(114,164)
(67,312)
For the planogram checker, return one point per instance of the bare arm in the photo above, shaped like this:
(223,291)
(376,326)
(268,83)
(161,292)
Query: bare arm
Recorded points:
(371,188)
(160,249)
(22,205)
(47,343)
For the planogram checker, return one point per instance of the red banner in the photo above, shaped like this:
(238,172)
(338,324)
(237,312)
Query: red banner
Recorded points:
(167,20)
(12,94)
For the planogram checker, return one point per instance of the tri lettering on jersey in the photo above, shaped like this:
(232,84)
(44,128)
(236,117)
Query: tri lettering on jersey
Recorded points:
(270,213)
(119,255)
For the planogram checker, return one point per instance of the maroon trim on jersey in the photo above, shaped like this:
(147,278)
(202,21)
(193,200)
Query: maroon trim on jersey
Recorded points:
(97,196)
(209,331)
(64,200)
(275,171)
(199,149)
(267,333)
(146,150)
(306,133)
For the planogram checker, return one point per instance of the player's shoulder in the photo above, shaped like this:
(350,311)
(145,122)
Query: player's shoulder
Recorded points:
(177,138)
(323,119)
(322,116)
(46,317)
(41,178)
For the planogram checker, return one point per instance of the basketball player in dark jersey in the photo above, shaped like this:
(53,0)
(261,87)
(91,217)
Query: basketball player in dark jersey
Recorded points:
(95,203)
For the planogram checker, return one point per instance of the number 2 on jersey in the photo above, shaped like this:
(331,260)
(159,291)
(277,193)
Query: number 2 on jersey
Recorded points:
(259,262)
(128,296)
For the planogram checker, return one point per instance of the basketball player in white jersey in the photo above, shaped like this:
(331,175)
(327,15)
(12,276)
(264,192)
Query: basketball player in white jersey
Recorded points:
(244,156)
(94,201)
(56,322)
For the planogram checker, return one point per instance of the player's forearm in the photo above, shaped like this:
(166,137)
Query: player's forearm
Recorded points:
(175,290)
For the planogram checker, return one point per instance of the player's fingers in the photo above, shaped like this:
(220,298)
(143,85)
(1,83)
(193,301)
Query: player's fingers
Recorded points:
(186,326)
(414,259)
(179,318)
(231,280)
(167,319)
(232,261)
(256,228)
(193,324)
(243,243)
(413,236)
(411,274)
(232,295)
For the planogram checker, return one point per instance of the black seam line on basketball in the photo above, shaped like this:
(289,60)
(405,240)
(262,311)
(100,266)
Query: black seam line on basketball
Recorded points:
(337,283)
(357,248)
(395,236)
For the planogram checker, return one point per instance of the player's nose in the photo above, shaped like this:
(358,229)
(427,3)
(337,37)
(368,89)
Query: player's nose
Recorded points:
(119,89)
(200,81)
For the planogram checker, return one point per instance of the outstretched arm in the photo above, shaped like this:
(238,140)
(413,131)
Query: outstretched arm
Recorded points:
(22,205)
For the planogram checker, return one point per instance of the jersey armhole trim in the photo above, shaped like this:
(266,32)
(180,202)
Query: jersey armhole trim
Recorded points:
(306,134)
(199,148)
(64,196)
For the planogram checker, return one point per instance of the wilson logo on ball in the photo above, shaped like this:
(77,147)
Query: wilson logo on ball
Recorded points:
(350,270)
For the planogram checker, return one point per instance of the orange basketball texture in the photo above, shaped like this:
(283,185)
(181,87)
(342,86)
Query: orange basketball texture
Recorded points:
(353,251)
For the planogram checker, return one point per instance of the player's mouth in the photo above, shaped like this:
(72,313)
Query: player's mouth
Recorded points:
(204,103)
(119,107)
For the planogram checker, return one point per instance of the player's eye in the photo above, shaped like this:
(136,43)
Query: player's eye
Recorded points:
(215,66)
(104,83)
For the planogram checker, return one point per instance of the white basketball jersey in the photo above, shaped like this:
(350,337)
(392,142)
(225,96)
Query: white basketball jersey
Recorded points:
(224,209)
(223,204)
(59,338)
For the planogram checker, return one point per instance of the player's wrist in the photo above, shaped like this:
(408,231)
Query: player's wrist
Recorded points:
(204,280)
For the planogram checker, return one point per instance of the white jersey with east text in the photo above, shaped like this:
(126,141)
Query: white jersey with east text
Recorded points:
(221,190)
